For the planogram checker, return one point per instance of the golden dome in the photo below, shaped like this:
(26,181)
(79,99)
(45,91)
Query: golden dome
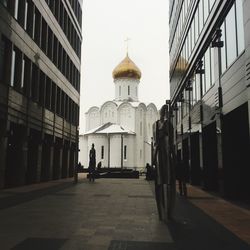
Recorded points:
(181,66)
(126,68)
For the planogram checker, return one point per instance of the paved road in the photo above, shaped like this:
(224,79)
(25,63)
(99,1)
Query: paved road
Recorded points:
(109,214)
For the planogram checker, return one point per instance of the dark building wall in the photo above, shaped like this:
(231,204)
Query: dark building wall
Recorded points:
(209,83)
(40,61)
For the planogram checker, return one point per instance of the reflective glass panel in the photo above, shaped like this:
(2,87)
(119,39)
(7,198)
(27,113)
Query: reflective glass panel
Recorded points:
(240,26)
(207,70)
(231,36)
(13,62)
(223,50)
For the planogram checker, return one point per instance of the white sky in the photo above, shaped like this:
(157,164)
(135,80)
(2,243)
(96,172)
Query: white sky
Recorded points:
(106,25)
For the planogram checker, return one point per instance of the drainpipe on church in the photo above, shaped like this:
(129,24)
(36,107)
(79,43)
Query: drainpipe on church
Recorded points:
(108,150)
(121,151)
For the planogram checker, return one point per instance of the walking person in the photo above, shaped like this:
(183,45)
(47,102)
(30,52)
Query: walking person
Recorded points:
(92,163)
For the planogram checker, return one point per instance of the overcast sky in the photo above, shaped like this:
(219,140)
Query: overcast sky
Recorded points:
(106,25)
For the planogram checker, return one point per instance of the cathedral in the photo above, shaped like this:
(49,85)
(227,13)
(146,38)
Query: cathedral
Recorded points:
(120,129)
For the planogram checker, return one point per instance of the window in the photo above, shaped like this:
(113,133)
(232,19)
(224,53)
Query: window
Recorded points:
(119,90)
(61,20)
(63,59)
(4,2)
(34,82)
(207,70)
(52,6)
(102,152)
(196,25)
(223,49)
(66,113)
(198,89)
(48,98)
(30,18)
(206,9)
(13,63)
(22,74)
(193,35)
(63,104)
(212,66)
(58,100)
(201,20)
(16,9)
(231,37)
(37,30)
(27,76)
(194,97)
(55,54)
(3,47)
(59,64)
(240,26)
(125,152)
(25,15)
(53,96)
(56,11)
(42,88)
(140,153)
(140,128)
(128,90)
(184,104)
(65,25)
(44,36)
(50,44)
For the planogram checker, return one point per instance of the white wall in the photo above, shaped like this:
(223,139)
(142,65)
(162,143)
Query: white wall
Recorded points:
(129,141)
(92,118)
(109,113)
(115,151)
(126,116)
(122,84)
(83,153)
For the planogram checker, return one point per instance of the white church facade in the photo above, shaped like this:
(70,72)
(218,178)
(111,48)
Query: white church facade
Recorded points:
(120,129)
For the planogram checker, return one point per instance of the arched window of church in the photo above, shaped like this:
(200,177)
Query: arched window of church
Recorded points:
(120,90)
(102,152)
(140,128)
(140,153)
(125,152)
(128,90)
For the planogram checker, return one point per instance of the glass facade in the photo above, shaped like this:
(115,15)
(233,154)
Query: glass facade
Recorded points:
(32,82)
(232,37)
(30,18)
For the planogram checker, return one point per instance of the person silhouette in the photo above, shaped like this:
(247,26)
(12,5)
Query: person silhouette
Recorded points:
(92,163)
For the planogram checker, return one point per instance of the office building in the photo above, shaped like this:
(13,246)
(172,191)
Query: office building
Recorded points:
(40,59)
(210,92)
